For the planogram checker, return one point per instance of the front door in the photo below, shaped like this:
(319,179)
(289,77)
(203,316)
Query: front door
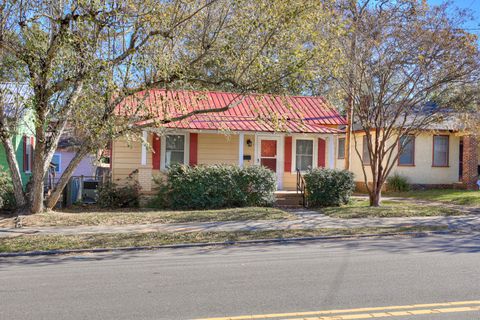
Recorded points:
(268,154)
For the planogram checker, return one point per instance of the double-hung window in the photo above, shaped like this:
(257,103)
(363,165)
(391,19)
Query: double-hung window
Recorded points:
(365,152)
(27,154)
(406,149)
(174,149)
(341,148)
(440,151)
(304,154)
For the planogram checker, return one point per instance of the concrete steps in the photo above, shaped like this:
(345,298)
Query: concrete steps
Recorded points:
(288,199)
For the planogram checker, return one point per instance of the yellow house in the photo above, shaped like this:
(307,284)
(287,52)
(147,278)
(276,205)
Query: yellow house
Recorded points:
(443,156)
(286,134)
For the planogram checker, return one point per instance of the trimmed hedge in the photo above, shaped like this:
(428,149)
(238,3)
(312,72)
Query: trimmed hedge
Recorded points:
(328,187)
(216,186)
(7,199)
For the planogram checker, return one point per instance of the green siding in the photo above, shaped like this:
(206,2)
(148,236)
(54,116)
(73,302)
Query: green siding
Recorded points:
(18,145)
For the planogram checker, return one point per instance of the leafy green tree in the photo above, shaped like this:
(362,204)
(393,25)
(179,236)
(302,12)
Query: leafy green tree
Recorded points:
(82,58)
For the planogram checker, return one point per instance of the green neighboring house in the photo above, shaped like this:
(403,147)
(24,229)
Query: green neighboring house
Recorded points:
(23,141)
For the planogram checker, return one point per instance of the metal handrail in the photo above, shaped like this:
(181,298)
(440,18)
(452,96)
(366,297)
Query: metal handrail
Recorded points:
(301,187)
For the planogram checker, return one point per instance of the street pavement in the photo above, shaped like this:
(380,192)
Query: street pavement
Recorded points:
(293,281)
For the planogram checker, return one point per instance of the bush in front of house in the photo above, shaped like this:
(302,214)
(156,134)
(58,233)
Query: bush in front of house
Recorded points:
(216,186)
(398,183)
(328,187)
(111,195)
(7,199)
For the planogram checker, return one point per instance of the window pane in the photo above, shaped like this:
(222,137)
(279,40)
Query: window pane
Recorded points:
(304,162)
(305,147)
(440,150)
(175,142)
(304,154)
(174,149)
(366,153)
(341,148)
(407,155)
(56,162)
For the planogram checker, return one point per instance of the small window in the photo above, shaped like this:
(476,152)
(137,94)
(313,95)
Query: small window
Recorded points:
(174,149)
(27,154)
(57,162)
(440,151)
(407,154)
(341,148)
(304,154)
(365,152)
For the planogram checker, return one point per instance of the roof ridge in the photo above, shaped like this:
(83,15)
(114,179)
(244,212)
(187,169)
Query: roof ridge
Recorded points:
(239,93)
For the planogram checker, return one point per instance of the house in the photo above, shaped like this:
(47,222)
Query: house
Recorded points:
(281,133)
(14,96)
(443,155)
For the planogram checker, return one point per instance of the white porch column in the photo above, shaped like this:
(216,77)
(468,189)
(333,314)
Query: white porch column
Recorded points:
(241,141)
(331,151)
(144,148)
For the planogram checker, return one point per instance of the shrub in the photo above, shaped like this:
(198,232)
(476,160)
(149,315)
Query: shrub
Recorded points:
(398,183)
(217,186)
(327,187)
(111,195)
(7,199)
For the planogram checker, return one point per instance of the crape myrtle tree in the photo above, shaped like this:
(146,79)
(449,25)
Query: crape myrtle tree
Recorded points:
(82,58)
(398,56)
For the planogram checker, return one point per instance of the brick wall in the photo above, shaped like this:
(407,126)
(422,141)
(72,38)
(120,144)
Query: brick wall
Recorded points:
(470,162)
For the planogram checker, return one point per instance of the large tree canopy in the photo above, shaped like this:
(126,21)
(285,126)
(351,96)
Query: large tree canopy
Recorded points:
(398,56)
(82,57)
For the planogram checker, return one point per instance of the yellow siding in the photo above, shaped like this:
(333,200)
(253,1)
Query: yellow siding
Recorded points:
(422,172)
(217,149)
(127,158)
(289,181)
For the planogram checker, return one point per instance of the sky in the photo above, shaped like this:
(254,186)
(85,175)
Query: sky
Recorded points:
(474,5)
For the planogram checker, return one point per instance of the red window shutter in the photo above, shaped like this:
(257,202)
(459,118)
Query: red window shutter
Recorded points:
(193,149)
(288,154)
(156,146)
(25,167)
(321,153)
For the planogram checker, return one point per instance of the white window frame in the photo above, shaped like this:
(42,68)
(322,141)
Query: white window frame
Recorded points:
(59,162)
(294,151)
(186,148)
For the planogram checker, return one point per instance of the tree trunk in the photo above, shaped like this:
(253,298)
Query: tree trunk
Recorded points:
(58,189)
(15,174)
(39,171)
(375,197)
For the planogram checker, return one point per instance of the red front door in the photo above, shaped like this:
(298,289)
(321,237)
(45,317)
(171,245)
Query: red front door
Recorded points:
(268,154)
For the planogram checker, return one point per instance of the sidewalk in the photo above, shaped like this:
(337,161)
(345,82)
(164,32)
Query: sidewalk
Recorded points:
(305,219)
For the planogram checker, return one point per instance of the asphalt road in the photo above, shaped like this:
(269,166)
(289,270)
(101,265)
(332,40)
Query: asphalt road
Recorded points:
(262,279)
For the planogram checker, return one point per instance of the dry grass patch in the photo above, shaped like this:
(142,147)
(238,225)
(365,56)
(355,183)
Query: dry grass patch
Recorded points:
(145,216)
(361,209)
(459,197)
(118,240)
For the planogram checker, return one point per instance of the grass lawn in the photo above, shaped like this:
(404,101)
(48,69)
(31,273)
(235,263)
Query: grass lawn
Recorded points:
(146,216)
(118,240)
(360,209)
(460,197)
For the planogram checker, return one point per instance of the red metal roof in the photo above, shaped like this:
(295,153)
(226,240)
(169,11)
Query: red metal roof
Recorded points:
(251,112)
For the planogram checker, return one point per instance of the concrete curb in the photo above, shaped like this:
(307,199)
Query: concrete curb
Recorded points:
(218,244)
